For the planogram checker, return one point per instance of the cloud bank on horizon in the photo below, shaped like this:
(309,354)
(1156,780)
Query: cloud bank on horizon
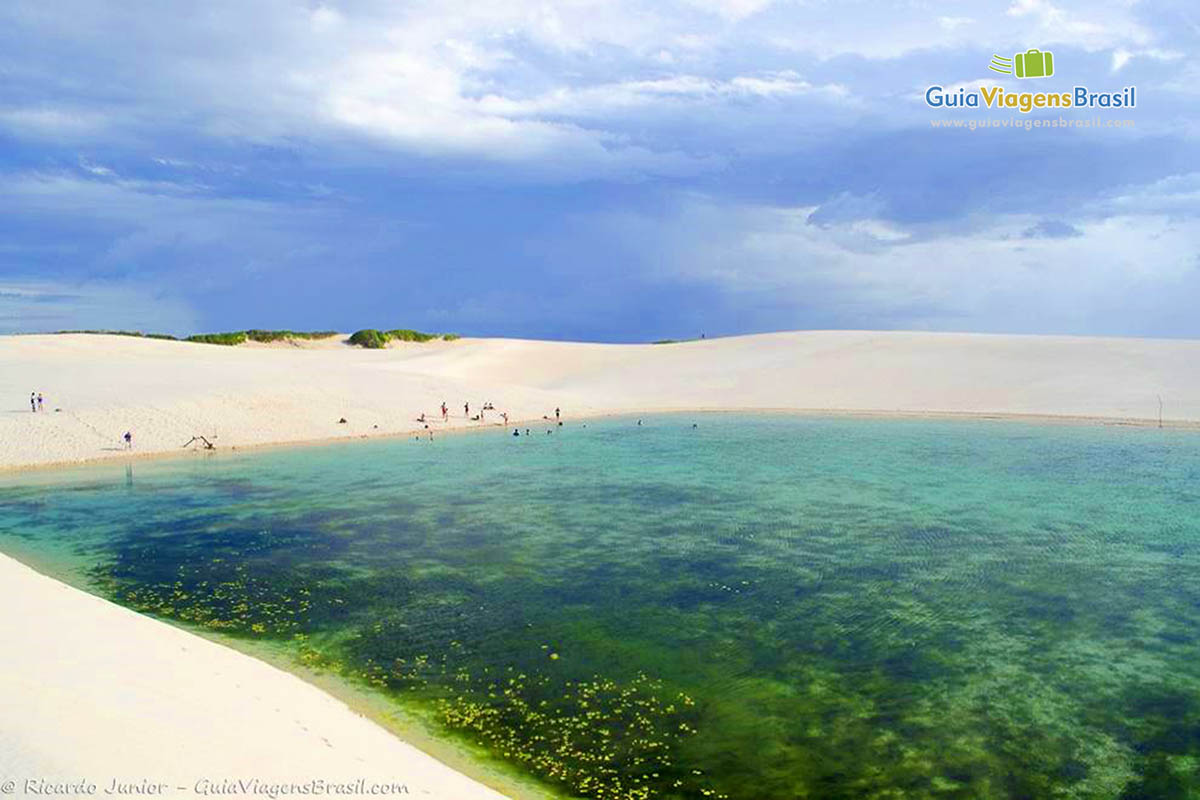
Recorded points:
(619,171)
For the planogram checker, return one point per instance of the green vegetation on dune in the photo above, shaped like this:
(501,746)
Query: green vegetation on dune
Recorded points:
(257,335)
(409,335)
(279,336)
(374,339)
(368,337)
(229,338)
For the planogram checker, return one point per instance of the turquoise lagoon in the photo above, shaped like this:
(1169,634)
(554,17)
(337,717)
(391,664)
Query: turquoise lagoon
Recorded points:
(762,606)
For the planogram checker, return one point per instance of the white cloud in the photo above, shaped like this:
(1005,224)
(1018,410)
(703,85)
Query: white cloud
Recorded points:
(572,90)
(1121,56)
(515,82)
(732,9)
(954,23)
(98,170)
(603,99)
(982,274)
(325,19)
(1094,26)
(52,123)
(893,31)
(1174,196)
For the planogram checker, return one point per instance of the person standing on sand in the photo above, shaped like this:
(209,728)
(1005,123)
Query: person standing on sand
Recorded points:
(40,408)
(557,412)
(466,409)
(445,411)
(33,402)
(504,415)
(128,437)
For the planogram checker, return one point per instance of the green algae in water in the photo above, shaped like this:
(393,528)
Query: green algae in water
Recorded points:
(760,607)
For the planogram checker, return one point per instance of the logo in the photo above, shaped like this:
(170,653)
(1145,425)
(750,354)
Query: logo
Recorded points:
(1033,63)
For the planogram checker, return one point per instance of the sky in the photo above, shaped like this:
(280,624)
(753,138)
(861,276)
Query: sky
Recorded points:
(611,171)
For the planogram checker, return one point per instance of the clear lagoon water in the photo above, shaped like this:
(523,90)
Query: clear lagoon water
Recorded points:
(759,607)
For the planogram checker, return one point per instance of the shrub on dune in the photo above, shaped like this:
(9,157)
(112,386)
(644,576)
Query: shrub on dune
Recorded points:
(409,335)
(370,338)
(376,339)
(281,336)
(231,338)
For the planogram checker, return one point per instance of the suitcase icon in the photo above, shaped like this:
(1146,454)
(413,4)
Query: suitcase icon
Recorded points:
(1034,63)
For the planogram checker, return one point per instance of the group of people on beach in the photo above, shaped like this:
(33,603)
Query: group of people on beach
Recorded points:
(482,416)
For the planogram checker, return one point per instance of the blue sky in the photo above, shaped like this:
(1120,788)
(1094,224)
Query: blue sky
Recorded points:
(614,170)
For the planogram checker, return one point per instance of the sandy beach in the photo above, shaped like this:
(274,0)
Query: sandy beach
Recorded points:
(188,709)
(95,693)
(165,393)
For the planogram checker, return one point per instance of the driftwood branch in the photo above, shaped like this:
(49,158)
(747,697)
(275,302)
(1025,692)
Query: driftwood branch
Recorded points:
(207,444)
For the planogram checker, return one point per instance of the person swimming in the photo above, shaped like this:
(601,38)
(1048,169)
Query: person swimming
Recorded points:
(516,433)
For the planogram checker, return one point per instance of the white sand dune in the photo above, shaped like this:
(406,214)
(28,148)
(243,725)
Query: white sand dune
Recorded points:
(91,690)
(95,692)
(166,392)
